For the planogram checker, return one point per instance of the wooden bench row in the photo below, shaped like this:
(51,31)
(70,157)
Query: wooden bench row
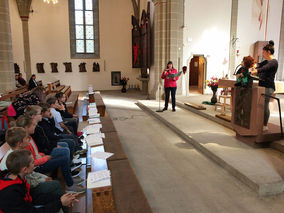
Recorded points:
(56,87)
(11,95)
(125,195)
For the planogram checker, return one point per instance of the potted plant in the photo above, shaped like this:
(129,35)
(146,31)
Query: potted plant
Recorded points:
(123,82)
(213,84)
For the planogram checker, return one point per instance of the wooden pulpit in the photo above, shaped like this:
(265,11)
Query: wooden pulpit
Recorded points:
(248,113)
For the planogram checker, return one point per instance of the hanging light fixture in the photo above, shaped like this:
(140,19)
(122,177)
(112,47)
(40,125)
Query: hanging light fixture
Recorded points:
(51,1)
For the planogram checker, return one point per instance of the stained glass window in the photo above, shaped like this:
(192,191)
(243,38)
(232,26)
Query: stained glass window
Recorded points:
(84,35)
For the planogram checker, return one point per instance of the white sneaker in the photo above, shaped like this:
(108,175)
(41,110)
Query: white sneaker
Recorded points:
(74,189)
(76,156)
(75,166)
(75,161)
(265,128)
(78,181)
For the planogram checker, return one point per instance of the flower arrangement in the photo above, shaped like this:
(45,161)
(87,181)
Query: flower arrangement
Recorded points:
(123,80)
(212,83)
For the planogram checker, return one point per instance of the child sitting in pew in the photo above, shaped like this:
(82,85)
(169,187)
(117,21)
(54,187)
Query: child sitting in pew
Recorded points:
(69,119)
(48,126)
(17,139)
(15,191)
(47,163)
(61,128)
(44,144)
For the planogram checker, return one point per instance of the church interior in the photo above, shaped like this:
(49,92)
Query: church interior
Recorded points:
(216,145)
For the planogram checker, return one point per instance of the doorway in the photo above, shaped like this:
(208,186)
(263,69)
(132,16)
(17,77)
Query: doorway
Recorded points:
(197,74)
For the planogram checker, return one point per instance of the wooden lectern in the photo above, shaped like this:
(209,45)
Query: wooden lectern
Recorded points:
(248,114)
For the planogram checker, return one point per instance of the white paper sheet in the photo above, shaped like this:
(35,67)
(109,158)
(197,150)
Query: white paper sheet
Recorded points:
(94,120)
(96,127)
(92,111)
(101,155)
(98,175)
(97,184)
(94,140)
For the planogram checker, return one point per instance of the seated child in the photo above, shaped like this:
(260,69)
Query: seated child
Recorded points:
(48,163)
(243,73)
(17,139)
(44,144)
(15,191)
(68,118)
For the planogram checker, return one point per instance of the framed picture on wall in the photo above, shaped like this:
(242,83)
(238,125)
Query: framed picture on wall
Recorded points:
(115,78)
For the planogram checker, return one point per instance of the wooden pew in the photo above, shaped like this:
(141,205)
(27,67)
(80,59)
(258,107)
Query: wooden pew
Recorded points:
(67,91)
(72,102)
(99,102)
(107,125)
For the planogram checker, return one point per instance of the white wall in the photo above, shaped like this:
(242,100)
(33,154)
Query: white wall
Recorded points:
(49,42)
(248,28)
(207,32)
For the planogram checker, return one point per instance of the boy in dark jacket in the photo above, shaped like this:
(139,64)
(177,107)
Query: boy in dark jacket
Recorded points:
(15,191)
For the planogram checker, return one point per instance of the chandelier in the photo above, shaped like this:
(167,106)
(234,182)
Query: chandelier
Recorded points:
(51,1)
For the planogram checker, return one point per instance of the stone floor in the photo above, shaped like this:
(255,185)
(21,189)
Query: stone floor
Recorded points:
(175,176)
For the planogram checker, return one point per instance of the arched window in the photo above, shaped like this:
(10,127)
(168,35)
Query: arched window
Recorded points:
(84,28)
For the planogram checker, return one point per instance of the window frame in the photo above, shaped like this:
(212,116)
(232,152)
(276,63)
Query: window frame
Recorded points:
(72,28)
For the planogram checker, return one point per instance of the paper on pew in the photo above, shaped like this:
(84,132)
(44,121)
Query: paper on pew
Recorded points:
(100,135)
(94,129)
(92,106)
(98,176)
(94,140)
(101,155)
(94,120)
(94,116)
(92,110)
(94,126)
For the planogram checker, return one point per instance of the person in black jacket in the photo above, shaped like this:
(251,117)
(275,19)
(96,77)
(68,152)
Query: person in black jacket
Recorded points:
(32,82)
(44,144)
(21,80)
(15,191)
(266,71)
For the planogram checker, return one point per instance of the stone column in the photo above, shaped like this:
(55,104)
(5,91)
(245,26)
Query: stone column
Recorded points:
(7,77)
(24,11)
(233,38)
(168,37)
(280,74)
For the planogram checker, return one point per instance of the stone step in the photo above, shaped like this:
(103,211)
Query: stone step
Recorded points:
(261,169)
(278,145)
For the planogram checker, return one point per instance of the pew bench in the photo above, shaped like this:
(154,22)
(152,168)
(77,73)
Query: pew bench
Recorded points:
(72,102)
(67,91)
(124,195)
(96,97)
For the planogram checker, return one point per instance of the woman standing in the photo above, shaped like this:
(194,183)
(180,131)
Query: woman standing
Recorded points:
(266,71)
(170,85)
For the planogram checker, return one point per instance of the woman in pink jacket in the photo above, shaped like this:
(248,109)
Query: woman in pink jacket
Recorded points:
(170,85)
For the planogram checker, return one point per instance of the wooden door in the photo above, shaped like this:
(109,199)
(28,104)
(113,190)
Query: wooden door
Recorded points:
(200,74)
(194,66)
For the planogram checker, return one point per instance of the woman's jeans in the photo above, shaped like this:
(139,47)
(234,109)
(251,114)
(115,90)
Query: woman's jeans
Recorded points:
(171,90)
(268,91)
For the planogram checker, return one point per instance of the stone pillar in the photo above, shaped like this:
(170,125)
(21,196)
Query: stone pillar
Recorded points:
(233,38)
(280,72)
(168,38)
(24,11)
(7,77)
